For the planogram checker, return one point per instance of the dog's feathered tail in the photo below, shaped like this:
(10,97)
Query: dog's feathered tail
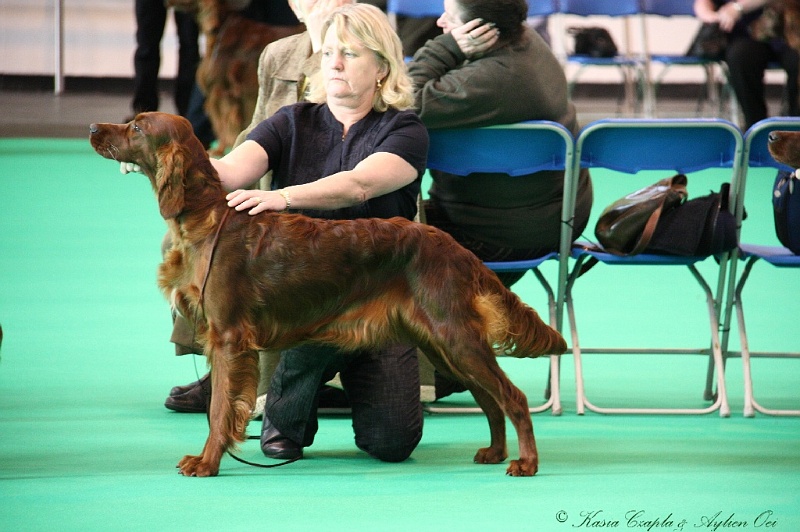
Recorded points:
(514,328)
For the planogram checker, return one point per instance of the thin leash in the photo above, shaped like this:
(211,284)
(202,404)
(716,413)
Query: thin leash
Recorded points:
(196,311)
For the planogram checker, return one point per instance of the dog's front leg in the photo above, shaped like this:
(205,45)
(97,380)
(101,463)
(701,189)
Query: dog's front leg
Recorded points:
(234,378)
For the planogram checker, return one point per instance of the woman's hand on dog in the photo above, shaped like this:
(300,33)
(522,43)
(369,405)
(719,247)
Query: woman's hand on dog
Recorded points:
(256,200)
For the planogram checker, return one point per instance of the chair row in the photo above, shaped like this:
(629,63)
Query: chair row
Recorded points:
(635,69)
(624,148)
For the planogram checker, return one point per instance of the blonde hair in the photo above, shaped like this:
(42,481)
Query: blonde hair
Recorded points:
(370,27)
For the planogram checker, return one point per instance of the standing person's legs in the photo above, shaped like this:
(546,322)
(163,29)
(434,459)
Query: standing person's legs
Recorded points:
(790,61)
(383,388)
(188,59)
(747,60)
(151,15)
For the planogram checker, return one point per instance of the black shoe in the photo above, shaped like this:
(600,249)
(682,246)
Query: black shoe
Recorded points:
(195,401)
(276,445)
(180,390)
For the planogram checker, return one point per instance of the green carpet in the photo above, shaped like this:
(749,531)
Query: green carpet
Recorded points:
(85,443)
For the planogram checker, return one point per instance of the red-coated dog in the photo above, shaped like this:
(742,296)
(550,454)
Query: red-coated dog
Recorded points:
(274,280)
(228,72)
(784,146)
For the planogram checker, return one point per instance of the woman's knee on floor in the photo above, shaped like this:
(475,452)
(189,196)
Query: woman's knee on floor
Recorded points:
(394,447)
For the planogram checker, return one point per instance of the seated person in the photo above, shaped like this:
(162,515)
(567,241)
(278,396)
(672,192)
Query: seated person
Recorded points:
(490,68)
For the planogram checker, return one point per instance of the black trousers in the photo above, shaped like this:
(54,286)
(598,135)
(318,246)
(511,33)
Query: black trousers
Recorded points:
(151,18)
(382,387)
(747,61)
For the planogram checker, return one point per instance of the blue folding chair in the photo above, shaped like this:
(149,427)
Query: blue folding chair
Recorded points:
(627,146)
(517,150)
(542,8)
(710,67)
(628,67)
(756,155)
(413,9)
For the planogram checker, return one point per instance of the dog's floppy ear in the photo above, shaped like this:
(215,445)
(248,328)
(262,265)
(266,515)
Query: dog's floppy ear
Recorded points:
(170,180)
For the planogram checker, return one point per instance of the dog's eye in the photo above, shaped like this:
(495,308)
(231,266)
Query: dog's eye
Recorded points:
(136,128)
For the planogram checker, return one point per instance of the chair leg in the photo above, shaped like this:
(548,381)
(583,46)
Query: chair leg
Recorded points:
(749,410)
(716,350)
(580,396)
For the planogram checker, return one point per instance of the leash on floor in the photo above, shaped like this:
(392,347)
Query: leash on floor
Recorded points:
(208,393)
(238,459)
(247,462)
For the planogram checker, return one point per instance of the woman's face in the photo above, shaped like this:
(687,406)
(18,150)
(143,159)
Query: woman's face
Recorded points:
(350,71)
(451,18)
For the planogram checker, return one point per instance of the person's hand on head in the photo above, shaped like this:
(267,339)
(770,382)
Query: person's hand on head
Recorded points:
(476,37)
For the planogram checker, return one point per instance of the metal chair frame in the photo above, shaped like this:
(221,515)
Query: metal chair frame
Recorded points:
(517,150)
(756,155)
(713,70)
(681,145)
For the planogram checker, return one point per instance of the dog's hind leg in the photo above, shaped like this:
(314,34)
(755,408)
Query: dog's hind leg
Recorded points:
(234,378)
(477,368)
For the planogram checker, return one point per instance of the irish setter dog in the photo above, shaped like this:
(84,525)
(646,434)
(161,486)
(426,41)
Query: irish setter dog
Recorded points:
(274,280)
(784,146)
(228,72)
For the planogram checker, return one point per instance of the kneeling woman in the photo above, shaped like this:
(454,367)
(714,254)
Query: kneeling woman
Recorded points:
(358,152)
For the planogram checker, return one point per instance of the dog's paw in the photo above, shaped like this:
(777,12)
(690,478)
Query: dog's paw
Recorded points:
(522,468)
(490,455)
(194,466)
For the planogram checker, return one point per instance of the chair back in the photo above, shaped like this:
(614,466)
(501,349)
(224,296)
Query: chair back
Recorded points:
(514,149)
(611,8)
(415,8)
(682,144)
(542,8)
(668,8)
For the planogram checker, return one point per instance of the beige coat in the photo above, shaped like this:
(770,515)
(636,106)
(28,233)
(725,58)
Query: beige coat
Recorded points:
(283,69)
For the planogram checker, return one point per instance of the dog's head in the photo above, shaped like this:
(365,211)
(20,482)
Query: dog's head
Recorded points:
(165,148)
(784,146)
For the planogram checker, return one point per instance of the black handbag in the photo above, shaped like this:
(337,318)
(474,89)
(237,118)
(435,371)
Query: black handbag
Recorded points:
(626,226)
(699,227)
(593,41)
(709,43)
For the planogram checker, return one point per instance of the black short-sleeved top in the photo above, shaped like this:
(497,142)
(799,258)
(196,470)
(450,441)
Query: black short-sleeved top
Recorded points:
(304,143)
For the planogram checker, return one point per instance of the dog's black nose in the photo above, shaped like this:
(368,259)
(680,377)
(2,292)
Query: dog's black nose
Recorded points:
(93,129)
(773,137)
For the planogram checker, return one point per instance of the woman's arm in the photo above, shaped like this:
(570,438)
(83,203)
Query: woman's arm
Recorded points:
(378,174)
(705,11)
(242,166)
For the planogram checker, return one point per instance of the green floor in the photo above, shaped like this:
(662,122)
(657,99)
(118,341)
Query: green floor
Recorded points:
(85,443)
